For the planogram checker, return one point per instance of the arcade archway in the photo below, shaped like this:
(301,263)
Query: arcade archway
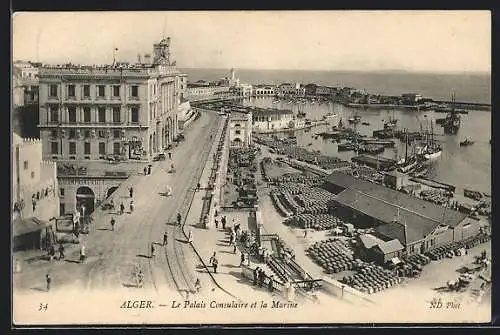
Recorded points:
(85,196)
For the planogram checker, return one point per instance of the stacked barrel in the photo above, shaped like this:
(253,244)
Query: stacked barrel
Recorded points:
(317,222)
(332,255)
(435,196)
(450,249)
(281,209)
(371,279)
(290,203)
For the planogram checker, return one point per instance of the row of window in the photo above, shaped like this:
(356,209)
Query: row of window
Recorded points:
(87,112)
(101,133)
(101,91)
(54,148)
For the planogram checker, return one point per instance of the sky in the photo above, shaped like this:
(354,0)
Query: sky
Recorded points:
(422,41)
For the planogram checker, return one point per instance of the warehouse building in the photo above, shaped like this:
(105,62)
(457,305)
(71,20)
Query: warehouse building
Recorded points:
(418,225)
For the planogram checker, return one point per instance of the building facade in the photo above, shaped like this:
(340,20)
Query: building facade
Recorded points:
(126,111)
(240,130)
(269,120)
(34,181)
(261,91)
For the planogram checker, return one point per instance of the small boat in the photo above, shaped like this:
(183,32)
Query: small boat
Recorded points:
(466,143)
(365,123)
(472,194)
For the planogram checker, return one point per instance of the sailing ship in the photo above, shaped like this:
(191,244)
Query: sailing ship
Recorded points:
(406,164)
(431,150)
(451,123)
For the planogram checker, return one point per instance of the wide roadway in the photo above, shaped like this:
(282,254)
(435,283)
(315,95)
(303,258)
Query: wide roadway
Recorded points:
(112,256)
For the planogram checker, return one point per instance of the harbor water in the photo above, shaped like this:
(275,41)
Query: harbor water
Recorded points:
(464,167)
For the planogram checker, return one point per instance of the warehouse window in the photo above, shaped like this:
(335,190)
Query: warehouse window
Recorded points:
(116,133)
(72,133)
(237,132)
(61,192)
(53,133)
(86,134)
(116,91)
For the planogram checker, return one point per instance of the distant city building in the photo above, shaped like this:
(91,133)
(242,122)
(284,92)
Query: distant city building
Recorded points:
(35,191)
(243,90)
(261,90)
(310,90)
(411,98)
(271,119)
(124,111)
(290,89)
(240,129)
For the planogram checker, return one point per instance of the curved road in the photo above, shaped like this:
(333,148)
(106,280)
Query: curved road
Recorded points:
(112,256)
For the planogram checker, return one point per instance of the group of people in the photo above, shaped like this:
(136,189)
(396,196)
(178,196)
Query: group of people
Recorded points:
(259,277)
(214,262)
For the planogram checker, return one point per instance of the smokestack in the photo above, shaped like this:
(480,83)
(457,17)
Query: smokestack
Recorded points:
(139,58)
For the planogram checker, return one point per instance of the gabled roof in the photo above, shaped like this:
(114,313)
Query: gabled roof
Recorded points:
(389,247)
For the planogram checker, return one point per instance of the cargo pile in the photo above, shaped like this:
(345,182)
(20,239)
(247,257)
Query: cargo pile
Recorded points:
(435,196)
(450,250)
(317,222)
(332,255)
(371,279)
(242,167)
(277,202)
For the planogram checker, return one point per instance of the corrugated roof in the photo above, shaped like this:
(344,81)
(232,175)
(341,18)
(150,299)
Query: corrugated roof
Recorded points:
(382,203)
(397,199)
(29,225)
(368,240)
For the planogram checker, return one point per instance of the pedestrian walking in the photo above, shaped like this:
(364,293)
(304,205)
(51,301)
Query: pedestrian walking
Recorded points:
(131,206)
(270,284)
(131,192)
(305,233)
(122,208)
(113,224)
(190,237)
(231,239)
(140,278)
(82,254)
(149,168)
(152,250)
(48,280)
(145,170)
(165,238)
(52,252)
(169,155)
(255,276)
(198,187)
(216,224)
(211,260)
(223,221)
(242,259)
(179,218)
(234,248)
(61,251)
(197,285)
(215,262)
(33,202)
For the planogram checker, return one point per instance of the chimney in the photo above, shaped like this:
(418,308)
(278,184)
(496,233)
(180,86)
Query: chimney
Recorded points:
(139,58)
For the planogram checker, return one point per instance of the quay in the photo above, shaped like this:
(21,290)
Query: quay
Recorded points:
(433,184)
(288,130)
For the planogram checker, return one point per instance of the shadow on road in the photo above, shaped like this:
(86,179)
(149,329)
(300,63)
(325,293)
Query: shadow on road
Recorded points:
(38,289)
(158,243)
(72,261)
(130,285)
(227,252)
(103,229)
(222,244)
(165,194)
(143,256)
(231,266)
(182,241)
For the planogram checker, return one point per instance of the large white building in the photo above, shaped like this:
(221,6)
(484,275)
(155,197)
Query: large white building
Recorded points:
(240,129)
(123,111)
(265,120)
